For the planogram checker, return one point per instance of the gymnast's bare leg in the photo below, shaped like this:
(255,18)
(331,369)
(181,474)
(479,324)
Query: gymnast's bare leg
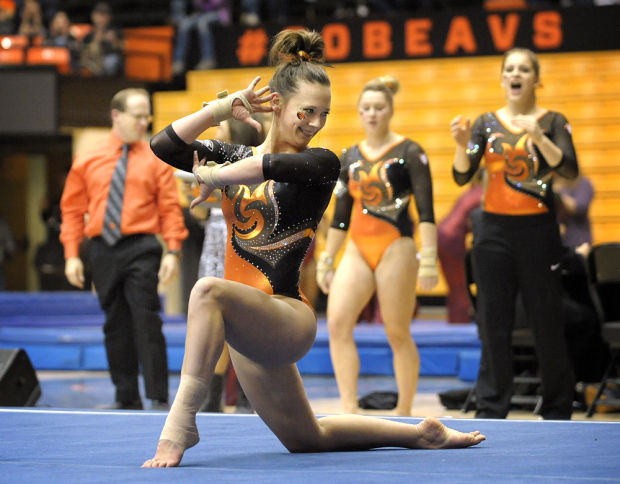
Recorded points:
(255,324)
(394,279)
(351,289)
(396,276)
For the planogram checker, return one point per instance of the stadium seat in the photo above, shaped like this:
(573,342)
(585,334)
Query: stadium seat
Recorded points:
(13,41)
(13,56)
(58,56)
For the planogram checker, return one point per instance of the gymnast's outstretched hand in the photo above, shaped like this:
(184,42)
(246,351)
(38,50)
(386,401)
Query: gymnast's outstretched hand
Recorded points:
(259,102)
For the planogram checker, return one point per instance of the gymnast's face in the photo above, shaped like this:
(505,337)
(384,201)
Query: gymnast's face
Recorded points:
(375,111)
(519,78)
(304,114)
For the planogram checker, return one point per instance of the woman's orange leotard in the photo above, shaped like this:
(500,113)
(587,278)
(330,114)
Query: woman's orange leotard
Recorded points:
(271,224)
(373,196)
(519,177)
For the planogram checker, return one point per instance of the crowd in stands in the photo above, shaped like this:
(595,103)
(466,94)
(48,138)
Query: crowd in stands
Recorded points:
(95,47)
(93,34)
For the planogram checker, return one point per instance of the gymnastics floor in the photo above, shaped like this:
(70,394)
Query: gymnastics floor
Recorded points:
(109,446)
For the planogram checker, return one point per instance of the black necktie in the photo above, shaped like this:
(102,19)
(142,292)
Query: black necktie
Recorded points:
(111,232)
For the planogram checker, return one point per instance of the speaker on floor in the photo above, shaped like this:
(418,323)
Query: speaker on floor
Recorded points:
(19,385)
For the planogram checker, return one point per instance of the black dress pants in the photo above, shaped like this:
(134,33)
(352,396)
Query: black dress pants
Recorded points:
(125,278)
(520,254)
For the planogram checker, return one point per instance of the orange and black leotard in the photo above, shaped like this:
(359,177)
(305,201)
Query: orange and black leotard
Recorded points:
(519,178)
(373,196)
(271,224)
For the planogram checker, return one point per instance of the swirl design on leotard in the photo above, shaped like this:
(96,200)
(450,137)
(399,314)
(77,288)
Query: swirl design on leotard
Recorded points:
(372,181)
(522,167)
(255,228)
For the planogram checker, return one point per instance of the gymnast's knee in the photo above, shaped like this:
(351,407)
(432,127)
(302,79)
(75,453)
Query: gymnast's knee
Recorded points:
(298,439)
(207,290)
(397,337)
(301,446)
(316,439)
(340,328)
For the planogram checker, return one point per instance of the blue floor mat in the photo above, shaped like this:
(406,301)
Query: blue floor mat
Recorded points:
(43,446)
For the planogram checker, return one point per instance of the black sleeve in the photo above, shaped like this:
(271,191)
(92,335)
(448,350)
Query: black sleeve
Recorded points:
(313,166)
(475,150)
(421,181)
(344,200)
(561,136)
(173,150)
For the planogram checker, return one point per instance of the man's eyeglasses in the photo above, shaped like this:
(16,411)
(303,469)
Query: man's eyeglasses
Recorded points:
(140,117)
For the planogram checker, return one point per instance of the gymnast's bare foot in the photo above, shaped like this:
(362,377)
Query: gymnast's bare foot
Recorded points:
(402,412)
(351,409)
(168,454)
(435,435)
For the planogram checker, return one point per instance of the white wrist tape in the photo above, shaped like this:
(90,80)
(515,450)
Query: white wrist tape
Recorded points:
(428,262)
(208,174)
(324,266)
(222,106)
(180,427)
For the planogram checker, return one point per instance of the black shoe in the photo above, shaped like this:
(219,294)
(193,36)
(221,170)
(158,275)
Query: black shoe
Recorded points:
(556,416)
(488,414)
(160,405)
(135,405)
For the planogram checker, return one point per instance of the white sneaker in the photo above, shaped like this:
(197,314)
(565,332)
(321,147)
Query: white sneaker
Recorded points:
(178,68)
(205,65)
(249,19)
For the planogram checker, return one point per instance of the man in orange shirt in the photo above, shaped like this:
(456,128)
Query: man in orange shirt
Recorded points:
(125,255)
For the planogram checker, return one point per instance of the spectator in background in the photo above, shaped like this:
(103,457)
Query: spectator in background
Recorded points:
(59,35)
(192,245)
(7,17)
(274,10)
(380,176)
(7,248)
(451,235)
(49,260)
(203,14)
(31,20)
(102,50)
(250,13)
(517,247)
(573,198)
(129,197)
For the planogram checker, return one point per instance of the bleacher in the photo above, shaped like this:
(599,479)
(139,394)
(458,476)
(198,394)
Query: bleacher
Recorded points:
(148,39)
